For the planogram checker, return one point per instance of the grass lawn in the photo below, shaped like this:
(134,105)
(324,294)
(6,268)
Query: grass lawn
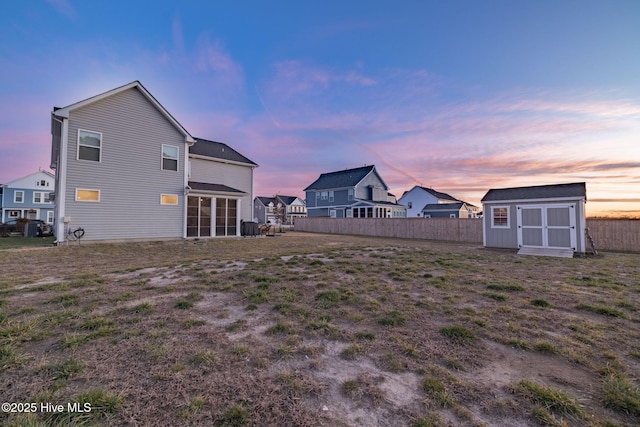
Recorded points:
(309,329)
(25,242)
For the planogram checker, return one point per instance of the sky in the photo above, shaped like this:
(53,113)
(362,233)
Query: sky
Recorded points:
(460,95)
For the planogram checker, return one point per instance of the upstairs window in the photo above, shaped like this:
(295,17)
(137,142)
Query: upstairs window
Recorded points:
(350,194)
(18,197)
(324,195)
(169,158)
(89,145)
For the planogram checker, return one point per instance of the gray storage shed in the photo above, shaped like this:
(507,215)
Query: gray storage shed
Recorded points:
(538,218)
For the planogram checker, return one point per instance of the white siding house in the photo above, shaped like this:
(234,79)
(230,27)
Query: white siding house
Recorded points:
(122,168)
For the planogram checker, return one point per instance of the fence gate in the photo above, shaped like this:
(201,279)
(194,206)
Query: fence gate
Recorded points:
(547,226)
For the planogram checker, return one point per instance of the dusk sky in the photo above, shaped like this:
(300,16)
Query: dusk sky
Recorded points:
(460,96)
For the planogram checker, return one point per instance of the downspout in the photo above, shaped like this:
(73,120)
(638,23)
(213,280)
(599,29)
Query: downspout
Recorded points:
(61,182)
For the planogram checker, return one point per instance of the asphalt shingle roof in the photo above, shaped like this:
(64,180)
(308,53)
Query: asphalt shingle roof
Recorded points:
(218,150)
(340,179)
(219,188)
(443,206)
(576,189)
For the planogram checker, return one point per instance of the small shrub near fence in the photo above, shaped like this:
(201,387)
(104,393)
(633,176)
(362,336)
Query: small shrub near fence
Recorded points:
(608,234)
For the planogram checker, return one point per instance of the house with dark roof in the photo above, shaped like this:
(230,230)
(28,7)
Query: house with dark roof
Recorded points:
(447,210)
(543,219)
(420,198)
(127,169)
(28,197)
(352,193)
(278,209)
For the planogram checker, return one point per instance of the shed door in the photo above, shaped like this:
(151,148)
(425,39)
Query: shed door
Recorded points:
(547,226)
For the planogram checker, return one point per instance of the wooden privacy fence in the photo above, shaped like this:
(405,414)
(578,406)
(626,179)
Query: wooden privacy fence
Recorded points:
(608,234)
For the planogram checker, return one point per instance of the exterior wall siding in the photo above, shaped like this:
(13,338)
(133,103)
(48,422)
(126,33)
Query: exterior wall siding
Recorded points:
(231,175)
(129,176)
(508,237)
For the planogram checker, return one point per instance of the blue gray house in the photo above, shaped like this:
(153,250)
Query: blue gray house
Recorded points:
(447,210)
(352,193)
(28,197)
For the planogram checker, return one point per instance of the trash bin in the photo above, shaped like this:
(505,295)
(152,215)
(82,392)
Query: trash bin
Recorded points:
(249,228)
(31,230)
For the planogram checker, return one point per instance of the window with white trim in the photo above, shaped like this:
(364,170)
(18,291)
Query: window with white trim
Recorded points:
(169,157)
(350,194)
(41,197)
(87,195)
(18,196)
(500,217)
(168,199)
(331,196)
(89,145)
(324,195)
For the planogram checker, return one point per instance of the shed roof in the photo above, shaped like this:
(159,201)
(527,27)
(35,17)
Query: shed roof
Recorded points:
(343,179)
(218,150)
(214,188)
(556,191)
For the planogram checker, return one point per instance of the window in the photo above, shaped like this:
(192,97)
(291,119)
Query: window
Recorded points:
(83,195)
(89,145)
(169,158)
(410,205)
(350,194)
(331,196)
(18,196)
(168,199)
(500,217)
(50,217)
(452,216)
(40,197)
(324,195)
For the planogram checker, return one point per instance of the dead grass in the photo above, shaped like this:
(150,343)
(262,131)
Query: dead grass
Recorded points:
(308,329)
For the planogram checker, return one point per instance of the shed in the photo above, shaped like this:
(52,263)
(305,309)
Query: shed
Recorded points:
(543,219)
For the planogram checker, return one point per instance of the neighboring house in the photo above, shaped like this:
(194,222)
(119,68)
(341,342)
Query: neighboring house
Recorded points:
(420,198)
(28,197)
(123,165)
(352,193)
(544,217)
(447,210)
(278,209)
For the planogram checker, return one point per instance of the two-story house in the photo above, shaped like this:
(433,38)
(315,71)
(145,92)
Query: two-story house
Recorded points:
(124,171)
(352,193)
(278,209)
(28,197)
(424,202)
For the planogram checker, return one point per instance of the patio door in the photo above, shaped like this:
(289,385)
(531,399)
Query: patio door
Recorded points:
(198,216)
(547,226)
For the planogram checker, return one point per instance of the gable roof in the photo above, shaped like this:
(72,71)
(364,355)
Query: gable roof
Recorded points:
(64,111)
(49,174)
(266,200)
(287,199)
(218,150)
(344,178)
(437,194)
(575,190)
